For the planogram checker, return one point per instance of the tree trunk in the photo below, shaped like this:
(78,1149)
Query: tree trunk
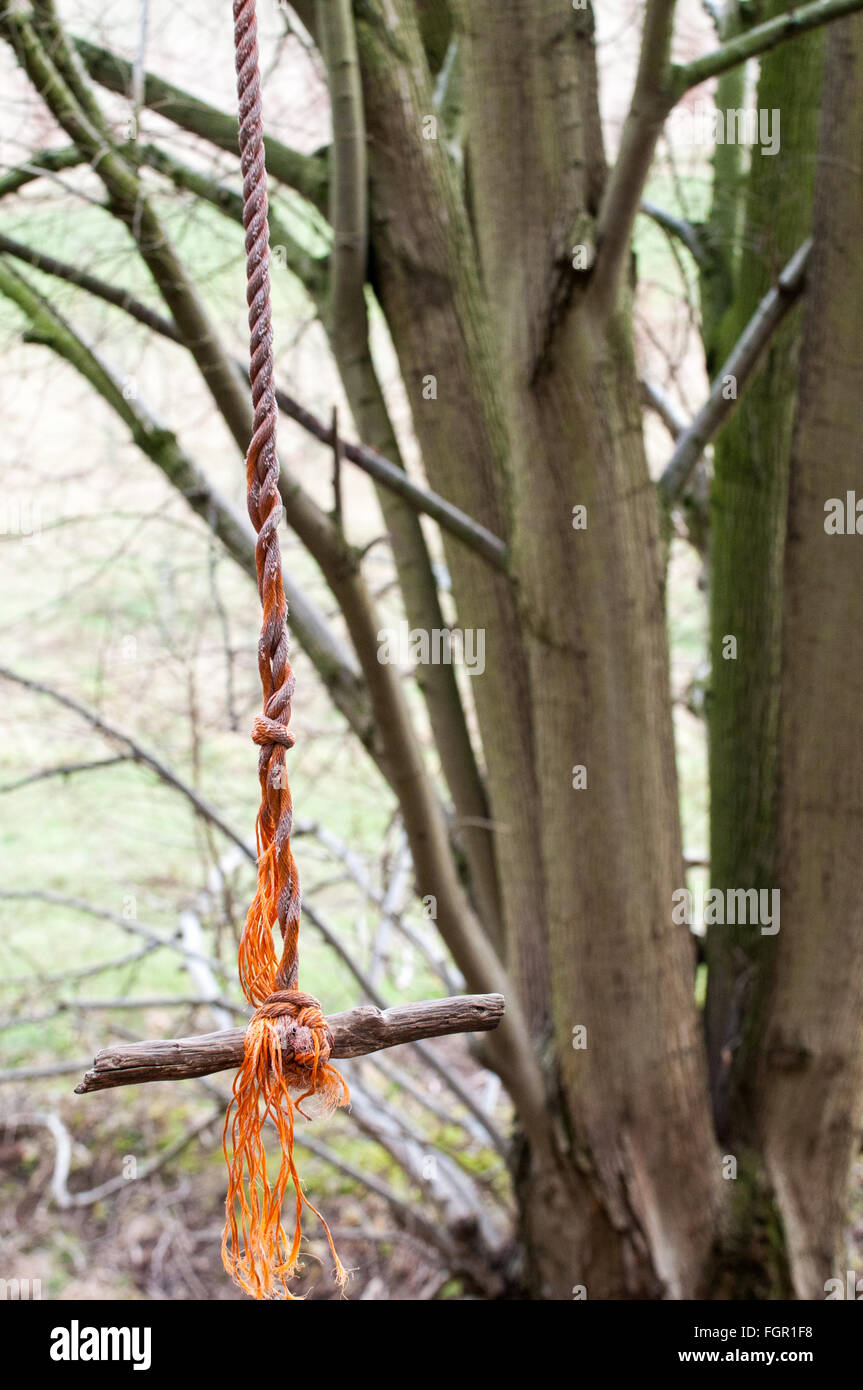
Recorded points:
(640,1154)
(810,1080)
(748,506)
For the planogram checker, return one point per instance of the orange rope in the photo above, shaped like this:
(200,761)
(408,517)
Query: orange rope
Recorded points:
(255,1247)
(287,1044)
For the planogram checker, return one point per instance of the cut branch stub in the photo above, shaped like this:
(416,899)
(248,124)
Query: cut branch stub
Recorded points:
(355,1034)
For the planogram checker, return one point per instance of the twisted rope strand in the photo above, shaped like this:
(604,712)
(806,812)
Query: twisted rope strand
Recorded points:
(287,1044)
(279,886)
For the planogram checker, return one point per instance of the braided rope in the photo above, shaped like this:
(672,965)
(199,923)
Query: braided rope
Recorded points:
(270,731)
(287,1045)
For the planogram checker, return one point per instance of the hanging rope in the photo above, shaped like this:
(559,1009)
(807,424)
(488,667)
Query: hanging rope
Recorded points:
(287,1043)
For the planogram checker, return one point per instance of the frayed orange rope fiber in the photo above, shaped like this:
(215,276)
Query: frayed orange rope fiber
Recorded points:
(287,1045)
(255,1248)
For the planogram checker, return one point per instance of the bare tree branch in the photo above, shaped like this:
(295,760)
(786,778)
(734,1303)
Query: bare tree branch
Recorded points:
(100,289)
(478,538)
(642,128)
(153,1001)
(333,661)
(360,876)
(46,23)
(754,42)
(83,972)
(390,475)
(349,213)
(740,366)
(429,1058)
(136,753)
(212,125)
(424,1227)
(305,173)
(128,202)
(63,1156)
(64,770)
(126,924)
(85,125)
(311,271)
(677,227)
(457,1197)
(13,1075)
(421,1094)
(662,405)
(659,86)
(47,161)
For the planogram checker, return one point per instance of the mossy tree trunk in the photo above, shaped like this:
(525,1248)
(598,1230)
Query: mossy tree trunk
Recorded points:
(747,537)
(809,1087)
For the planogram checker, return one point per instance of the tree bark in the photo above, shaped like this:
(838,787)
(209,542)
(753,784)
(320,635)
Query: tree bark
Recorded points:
(810,1077)
(748,508)
(641,1165)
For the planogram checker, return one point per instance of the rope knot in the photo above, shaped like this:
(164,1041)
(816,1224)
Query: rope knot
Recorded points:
(267,731)
(287,1050)
(304,1037)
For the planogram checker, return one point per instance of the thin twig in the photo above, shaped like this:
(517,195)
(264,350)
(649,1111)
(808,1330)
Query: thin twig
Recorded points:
(134,928)
(421,499)
(136,752)
(677,227)
(64,770)
(337,471)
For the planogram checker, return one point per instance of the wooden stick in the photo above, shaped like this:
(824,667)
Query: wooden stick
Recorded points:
(355,1034)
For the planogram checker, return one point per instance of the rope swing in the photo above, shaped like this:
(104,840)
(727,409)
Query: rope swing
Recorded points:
(287,1043)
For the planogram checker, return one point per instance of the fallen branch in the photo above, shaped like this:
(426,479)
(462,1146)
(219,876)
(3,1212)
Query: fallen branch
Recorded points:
(63,1157)
(355,1034)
